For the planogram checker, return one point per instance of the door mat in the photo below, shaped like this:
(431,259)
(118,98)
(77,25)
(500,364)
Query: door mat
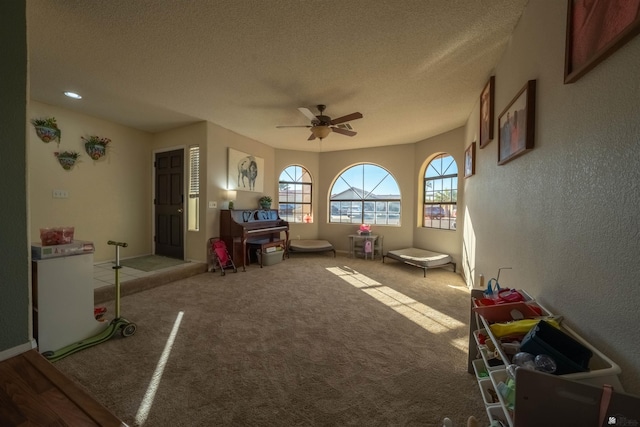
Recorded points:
(151,262)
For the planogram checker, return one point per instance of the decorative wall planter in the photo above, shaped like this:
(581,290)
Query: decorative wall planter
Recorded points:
(95,151)
(96,146)
(47,129)
(67,159)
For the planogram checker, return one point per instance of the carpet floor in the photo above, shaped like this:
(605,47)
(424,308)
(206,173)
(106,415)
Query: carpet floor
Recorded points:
(311,341)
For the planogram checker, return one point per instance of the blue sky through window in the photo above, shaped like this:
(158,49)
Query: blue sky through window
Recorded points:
(370,178)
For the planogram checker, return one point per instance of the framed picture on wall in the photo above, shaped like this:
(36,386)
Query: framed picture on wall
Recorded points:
(486,113)
(245,172)
(516,124)
(595,30)
(470,160)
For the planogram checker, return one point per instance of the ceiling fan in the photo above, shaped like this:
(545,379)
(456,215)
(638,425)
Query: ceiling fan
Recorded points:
(321,126)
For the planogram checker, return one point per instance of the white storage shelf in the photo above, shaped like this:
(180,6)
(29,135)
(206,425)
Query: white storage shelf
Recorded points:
(602,370)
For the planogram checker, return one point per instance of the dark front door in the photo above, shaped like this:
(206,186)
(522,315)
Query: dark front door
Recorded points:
(169,204)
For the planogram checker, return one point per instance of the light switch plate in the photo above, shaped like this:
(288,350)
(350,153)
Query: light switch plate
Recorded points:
(213,205)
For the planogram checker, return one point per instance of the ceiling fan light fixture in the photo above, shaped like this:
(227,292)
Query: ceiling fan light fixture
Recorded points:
(321,131)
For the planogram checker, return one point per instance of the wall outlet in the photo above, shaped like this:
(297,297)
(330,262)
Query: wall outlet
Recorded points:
(213,205)
(60,194)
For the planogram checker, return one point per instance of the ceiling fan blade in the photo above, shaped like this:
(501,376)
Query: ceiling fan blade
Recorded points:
(311,137)
(308,113)
(344,131)
(347,118)
(295,126)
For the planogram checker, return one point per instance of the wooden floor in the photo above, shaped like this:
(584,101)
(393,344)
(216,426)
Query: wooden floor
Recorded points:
(34,393)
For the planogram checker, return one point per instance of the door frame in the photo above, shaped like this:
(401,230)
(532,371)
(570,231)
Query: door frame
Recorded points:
(185,235)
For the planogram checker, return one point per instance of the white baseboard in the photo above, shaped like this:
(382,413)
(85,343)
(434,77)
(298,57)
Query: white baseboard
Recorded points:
(11,352)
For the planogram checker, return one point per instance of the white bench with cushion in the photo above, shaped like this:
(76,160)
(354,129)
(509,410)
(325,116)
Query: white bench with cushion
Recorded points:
(310,245)
(421,258)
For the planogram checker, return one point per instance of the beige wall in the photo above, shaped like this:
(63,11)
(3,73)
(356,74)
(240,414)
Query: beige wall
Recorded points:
(109,199)
(112,198)
(181,139)
(400,161)
(219,140)
(565,215)
(407,164)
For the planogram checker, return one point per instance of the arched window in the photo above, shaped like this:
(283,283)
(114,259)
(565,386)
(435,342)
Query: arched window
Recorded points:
(367,194)
(441,193)
(294,194)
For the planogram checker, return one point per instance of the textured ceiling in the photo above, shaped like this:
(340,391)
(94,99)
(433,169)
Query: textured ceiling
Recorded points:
(413,68)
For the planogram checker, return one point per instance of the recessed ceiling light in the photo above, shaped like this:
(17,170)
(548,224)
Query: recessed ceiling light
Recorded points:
(73,95)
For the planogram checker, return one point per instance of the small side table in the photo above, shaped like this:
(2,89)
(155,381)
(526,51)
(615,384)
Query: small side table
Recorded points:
(376,244)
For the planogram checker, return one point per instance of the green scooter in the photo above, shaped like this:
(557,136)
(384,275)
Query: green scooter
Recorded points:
(121,324)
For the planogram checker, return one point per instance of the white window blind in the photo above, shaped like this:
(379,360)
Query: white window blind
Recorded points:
(194,171)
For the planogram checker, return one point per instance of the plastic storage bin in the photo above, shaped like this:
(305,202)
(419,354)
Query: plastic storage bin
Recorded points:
(570,355)
(489,394)
(270,258)
(480,369)
(498,377)
(496,413)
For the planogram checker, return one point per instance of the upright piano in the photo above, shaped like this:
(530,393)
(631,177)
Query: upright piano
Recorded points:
(239,227)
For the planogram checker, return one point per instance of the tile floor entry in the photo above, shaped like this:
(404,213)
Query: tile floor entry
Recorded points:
(104,274)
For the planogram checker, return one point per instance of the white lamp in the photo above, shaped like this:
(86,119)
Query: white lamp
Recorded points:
(321,131)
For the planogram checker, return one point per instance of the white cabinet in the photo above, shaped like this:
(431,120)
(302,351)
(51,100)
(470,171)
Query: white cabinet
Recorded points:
(489,366)
(63,304)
